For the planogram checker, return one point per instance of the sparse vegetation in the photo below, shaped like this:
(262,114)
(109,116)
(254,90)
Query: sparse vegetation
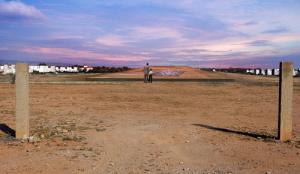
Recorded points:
(104,69)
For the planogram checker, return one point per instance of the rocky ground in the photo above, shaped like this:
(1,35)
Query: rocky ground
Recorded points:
(185,128)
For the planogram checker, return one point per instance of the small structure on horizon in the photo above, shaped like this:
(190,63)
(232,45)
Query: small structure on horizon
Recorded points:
(8,69)
(276,72)
(257,72)
(86,68)
(42,68)
(269,72)
(68,69)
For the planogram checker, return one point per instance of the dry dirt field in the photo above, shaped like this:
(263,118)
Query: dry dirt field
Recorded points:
(164,127)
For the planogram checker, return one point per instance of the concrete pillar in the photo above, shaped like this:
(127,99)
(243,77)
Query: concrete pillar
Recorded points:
(285,101)
(22,101)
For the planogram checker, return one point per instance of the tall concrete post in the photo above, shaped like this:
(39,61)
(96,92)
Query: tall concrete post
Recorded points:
(22,101)
(285,101)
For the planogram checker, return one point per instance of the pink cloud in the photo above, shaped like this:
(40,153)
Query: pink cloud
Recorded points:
(111,40)
(156,32)
(18,9)
(81,54)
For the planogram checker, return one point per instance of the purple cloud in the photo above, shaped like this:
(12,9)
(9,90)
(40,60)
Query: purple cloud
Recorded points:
(19,11)
(250,23)
(276,30)
(259,43)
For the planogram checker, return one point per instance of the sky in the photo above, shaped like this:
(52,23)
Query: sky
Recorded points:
(199,33)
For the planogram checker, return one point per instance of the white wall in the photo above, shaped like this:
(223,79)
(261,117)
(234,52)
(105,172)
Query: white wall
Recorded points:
(9,69)
(257,71)
(276,72)
(1,68)
(34,68)
(269,72)
(46,69)
(67,69)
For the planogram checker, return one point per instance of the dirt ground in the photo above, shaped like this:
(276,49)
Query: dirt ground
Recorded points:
(164,127)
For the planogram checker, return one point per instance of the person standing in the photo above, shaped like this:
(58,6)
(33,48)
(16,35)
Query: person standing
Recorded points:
(150,75)
(146,72)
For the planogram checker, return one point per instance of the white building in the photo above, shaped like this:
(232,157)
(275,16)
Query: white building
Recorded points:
(269,72)
(251,71)
(8,69)
(47,69)
(276,72)
(1,68)
(72,69)
(86,68)
(68,69)
(257,71)
(33,68)
(61,69)
(42,69)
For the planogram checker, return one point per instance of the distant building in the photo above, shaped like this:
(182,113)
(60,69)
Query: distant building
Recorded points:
(8,69)
(1,68)
(68,69)
(41,69)
(275,72)
(250,71)
(72,69)
(86,68)
(34,69)
(257,71)
(265,72)
(47,69)
(61,69)
(269,72)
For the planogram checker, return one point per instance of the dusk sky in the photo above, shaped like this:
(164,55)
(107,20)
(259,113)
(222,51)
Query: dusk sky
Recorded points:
(205,33)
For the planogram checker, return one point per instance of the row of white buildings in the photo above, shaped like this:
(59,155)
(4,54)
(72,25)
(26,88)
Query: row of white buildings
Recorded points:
(11,69)
(269,72)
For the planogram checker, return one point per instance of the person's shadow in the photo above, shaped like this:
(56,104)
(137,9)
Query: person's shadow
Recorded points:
(250,134)
(7,130)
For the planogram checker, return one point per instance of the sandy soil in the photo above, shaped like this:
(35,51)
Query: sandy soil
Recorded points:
(150,128)
(188,73)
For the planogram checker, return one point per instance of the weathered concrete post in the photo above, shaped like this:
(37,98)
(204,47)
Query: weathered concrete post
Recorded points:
(285,101)
(22,101)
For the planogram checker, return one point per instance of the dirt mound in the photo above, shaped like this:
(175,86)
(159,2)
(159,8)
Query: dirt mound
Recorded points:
(184,72)
(168,73)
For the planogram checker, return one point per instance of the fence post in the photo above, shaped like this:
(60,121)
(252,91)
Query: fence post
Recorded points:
(285,101)
(22,100)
